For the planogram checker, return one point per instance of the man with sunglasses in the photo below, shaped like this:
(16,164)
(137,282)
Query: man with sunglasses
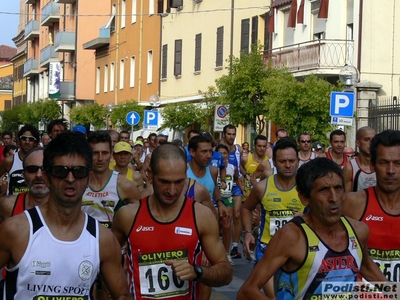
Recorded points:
(28,139)
(108,190)
(57,246)
(38,191)
(305,153)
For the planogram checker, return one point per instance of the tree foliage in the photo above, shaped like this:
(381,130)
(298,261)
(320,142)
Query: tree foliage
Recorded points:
(93,114)
(299,106)
(118,115)
(179,116)
(30,113)
(243,88)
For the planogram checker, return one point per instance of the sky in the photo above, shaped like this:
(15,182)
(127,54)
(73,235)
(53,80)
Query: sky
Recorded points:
(9,19)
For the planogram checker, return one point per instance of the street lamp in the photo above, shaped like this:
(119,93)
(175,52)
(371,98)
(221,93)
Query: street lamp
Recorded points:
(348,75)
(109,107)
(154,101)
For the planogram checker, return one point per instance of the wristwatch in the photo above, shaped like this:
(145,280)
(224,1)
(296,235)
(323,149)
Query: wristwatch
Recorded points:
(199,272)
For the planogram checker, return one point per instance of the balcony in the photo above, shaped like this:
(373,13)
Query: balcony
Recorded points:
(67,90)
(312,55)
(50,14)
(31,67)
(65,1)
(65,41)
(32,30)
(101,41)
(47,55)
(30,1)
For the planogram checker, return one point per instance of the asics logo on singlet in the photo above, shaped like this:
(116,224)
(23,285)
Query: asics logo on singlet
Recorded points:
(374,218)
(144,228)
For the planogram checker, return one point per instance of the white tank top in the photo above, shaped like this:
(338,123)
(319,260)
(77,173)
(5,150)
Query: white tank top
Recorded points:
(52,267)
(364,180)
(16,181)
(103,204)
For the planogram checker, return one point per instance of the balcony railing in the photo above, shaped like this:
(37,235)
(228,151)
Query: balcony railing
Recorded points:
(67,90)
(31,67)
(32,30)
(47,55)
(312,55)
(50,14)
(65,41)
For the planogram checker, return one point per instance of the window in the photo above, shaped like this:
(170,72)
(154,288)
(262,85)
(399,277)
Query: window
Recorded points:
(150,66)
(178,58)
(123,14)
(349,32)
(254,30)
(112,76)
(245,36)
(197,54)
(121,74)
(98,80)
(288,32)
(134,11)
(164,62)
(132,73)
(151,7)
(105,78)
(220,47)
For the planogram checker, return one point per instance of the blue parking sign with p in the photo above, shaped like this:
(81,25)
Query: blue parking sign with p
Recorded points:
(342,104)
(150,118)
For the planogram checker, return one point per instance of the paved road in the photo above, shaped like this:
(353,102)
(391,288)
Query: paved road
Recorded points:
(241,271)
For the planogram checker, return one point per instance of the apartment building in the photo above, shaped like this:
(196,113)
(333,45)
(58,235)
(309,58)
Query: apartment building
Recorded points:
(321,36)
(57,65)
(127,53)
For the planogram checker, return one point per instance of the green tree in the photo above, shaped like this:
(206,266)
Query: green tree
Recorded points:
(118,115)
(179,116)
(211,98)
(11,118)
(243,88)
(94,114)
(299,106)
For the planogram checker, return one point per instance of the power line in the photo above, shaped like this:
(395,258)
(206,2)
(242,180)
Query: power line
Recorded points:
(147,14)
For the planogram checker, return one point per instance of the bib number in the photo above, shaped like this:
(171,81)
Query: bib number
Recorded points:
(278,218)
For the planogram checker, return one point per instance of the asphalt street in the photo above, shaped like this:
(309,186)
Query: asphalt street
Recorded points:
(241,270)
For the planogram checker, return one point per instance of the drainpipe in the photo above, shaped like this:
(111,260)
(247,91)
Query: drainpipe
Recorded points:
(231,42)
(360,24)
(140,52)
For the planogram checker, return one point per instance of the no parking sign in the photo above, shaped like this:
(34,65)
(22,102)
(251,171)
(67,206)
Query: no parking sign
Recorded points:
(221,117)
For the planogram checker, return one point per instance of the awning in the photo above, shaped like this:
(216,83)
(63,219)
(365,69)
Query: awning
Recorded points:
(300,13)
(323,9)
(292,14)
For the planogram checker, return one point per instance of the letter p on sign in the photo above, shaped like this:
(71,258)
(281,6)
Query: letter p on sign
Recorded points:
(342,104)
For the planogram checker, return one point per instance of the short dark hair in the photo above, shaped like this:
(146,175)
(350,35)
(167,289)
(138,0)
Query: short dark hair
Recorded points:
(387,138)
(61,122)
(166,151)
(32,129)
(226,127)
(303,133)
(7,148)
(99,136)
(29,153)
(336,132)
(194,142)
(314,169)
(193,131)
(280,130)
(67,143)
(6,132)
(284,143)
(361,130)
(124,131)
(259,137)
(151,135)
(222,146)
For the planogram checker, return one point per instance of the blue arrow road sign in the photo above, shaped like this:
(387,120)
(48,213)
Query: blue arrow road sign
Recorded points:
(342,104)
(132,118)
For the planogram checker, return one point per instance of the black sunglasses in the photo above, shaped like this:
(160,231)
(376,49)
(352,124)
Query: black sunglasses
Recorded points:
(63,171)
(305,141)
(27,138)
(33,169)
